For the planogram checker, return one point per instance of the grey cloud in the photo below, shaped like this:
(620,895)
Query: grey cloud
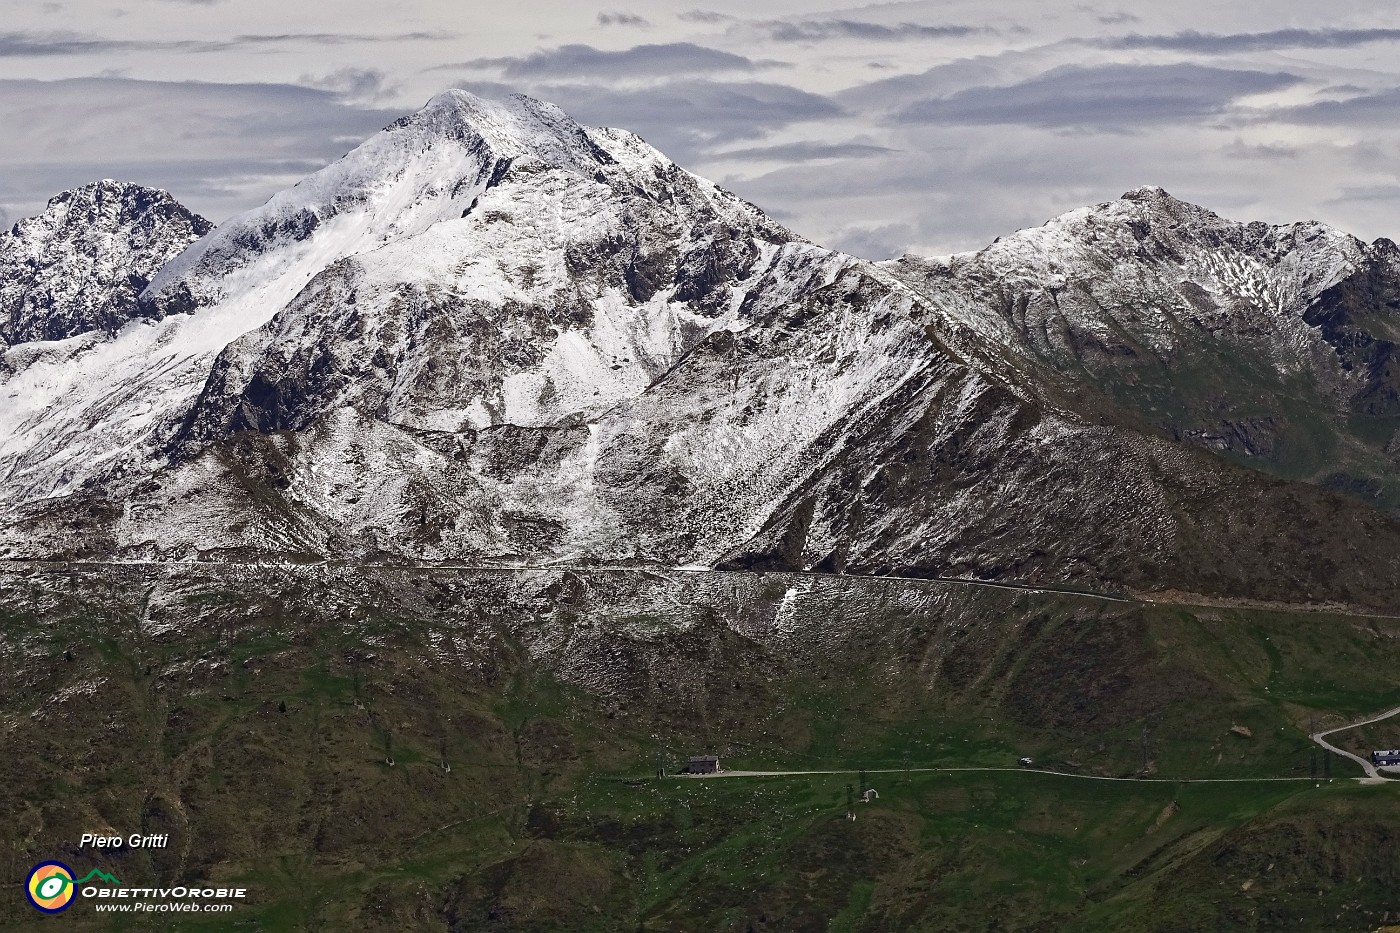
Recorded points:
(821,30)
(41,44)
(336,38)
(1107,17)
(1381,108)
(958,188)
(708,17)
(803,152)
(28,44)
(360,84)
(218,147)
(1218,43)
(1368,193)
(936,173)
(886,94)
(585,61)
(881,242)
(622,19)
(687,118)
(1243,150)
(1107,97)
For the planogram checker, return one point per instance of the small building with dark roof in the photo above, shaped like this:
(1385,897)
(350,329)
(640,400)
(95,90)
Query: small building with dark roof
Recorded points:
(703,764)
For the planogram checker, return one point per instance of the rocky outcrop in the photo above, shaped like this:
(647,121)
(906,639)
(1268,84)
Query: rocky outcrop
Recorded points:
(80,265)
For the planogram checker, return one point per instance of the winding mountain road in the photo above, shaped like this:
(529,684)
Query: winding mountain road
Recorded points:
(661,570)
(1373,776)
(1063,774)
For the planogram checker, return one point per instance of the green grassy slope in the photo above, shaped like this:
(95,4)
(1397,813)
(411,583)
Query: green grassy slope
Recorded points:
(253,716)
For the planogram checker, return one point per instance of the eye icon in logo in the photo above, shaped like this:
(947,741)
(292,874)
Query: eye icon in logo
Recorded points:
(50,887)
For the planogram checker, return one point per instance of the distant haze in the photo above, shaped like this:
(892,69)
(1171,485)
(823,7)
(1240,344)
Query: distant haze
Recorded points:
(928,127)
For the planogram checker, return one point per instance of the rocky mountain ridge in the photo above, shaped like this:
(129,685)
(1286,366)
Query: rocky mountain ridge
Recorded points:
(1273,345)
(80,265)
(492,334)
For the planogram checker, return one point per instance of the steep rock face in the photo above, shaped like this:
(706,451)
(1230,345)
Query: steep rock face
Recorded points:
(80,265)
(575,276)
(831,427)
(1270,345)
(1359,318)
(683,470)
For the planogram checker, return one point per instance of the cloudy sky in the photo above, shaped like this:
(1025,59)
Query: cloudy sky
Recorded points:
(927,127)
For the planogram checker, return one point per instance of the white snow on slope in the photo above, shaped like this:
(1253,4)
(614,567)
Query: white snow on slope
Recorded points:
(1101,268)
(80,410)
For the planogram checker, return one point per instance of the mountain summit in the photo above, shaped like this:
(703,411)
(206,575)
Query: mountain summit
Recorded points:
(80,265)
(424,169)
(492,334)
(492,195)
(1272,345)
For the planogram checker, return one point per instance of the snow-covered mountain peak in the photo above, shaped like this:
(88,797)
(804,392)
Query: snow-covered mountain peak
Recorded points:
(475,263)
(1148,227)
(425,168)
(1140,211)
(422,169)
(517,127)
(563,271)
(79,264)
(489,332)
(1150,193)
(1166,303)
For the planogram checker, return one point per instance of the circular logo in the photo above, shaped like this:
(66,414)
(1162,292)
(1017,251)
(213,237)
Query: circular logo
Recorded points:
(50,887)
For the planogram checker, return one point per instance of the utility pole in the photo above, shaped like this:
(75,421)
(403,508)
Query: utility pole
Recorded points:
(850,802)
(1312,752)
(1145,748)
